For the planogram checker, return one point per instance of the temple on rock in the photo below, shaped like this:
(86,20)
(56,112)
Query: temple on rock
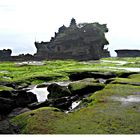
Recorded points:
(83,41)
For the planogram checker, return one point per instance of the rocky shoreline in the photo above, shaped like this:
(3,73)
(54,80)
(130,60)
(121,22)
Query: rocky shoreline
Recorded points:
(60,95)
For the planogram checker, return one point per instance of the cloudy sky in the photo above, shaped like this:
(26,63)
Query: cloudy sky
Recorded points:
(24,21)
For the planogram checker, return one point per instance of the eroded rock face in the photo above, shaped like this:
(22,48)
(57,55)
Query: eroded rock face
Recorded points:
(81,42)
(10,100)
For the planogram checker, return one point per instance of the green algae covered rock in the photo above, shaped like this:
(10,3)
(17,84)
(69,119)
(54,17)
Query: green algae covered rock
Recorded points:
(113,110)
(85,86)
(57,91)
(37,121)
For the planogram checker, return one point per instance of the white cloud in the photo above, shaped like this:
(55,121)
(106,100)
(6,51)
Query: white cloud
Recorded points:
(41,18)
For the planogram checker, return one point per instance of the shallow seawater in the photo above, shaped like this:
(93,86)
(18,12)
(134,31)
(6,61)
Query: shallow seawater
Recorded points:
(116,62)
(127,100)
(37,63)
(75,104)
(41,93)
(127,69)
(4,71)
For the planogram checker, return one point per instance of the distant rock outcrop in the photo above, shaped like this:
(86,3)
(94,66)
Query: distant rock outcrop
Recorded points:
(81,42)
(128,53)
(5,54)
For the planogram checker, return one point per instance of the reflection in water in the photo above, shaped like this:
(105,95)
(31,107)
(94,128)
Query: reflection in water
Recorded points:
(41,93)
(75,104)
(128,99)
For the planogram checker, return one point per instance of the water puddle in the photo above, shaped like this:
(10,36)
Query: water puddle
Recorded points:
(116,62)
(41,93)
(65,83)
(4,71)
(128,99)
(75,104)
(101,80)
(127,69)
(37,63)
(6,77)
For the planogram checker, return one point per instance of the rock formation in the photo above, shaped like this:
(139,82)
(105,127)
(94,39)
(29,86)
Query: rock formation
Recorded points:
(84,41)
(5,54)
(128,53)
(81,42)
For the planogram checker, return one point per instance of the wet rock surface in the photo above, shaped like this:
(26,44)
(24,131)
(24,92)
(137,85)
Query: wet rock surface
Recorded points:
(69,96)
(17,111)
(126,74)
(13,99)
(7,128)
(59,95)
(24,98)
(57,91)
(82,75)
(84,87)
(6,105)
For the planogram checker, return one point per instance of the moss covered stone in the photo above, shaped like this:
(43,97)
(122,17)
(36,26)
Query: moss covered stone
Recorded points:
(57,91)
(5,88)
(37,121)
(103,115)
(133,79)
(85,86)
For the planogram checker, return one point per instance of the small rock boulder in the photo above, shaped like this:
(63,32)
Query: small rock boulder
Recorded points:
(17,111)
(74,98)
(6,94)
(62,103)
(6,105)
(57,91)
(43,85)
(7,128)
(23,98)
(36,105)
(83,87)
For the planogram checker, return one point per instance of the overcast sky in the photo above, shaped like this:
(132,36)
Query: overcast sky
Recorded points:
(24,21)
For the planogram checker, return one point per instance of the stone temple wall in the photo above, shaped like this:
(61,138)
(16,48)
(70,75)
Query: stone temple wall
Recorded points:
(81,42)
